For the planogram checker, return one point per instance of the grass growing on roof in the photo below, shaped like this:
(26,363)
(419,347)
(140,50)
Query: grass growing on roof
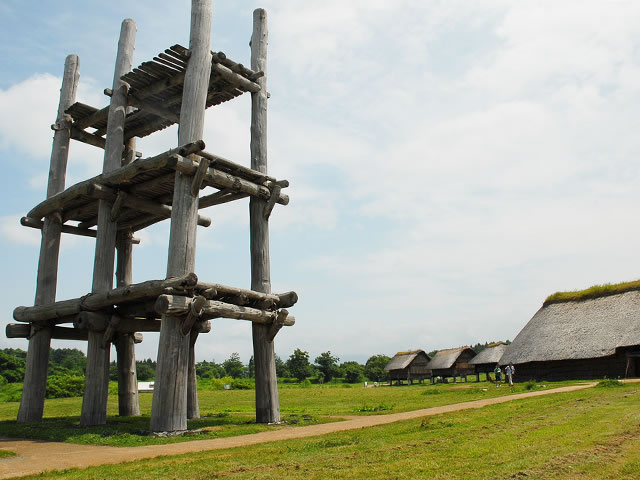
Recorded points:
(593,292)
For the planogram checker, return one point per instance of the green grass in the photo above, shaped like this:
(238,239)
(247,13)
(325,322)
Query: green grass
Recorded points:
(592,433)
(592,292)
(6,453)
(133,431)
(231,412)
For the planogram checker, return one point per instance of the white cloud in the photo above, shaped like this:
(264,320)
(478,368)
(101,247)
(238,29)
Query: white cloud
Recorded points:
(16,233)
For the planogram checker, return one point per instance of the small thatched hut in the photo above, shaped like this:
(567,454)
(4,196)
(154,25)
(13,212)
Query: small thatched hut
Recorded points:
(452,362)
(589,334)
(408,366)
(487,359)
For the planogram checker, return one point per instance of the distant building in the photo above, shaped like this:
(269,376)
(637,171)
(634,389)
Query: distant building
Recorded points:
(408,366)
(487,359)
(145,387)
(452,363)
(595,335)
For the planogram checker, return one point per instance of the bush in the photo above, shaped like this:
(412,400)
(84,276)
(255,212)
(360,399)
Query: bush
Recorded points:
(243,384)
(610,382)
(530,385)
(306,383)
(65,386)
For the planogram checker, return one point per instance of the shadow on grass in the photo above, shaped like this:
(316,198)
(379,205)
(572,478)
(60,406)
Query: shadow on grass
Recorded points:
(134,431)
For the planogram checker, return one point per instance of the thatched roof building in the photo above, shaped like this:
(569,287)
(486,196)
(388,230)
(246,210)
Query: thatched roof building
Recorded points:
(452,362)
(408,366)
(580,335)
(487,359)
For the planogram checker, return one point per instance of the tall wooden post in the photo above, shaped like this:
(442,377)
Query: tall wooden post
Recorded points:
(94,404)
(193,406)
(169,410)
(128,402)
(267,401)
(35,375)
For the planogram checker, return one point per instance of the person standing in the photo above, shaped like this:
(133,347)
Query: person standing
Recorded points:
(498,373)
(509,371)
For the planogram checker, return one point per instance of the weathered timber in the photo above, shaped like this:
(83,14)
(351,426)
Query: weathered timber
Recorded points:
(153,108)
(267,398)
(195,309)
(193,406)
(100,300)
(275,193)
(178,305)
(277,324)
(128,403)
(219,179)
(235,79)
(35,378)
(280,300)
(139,203)
(196,183)
(39,224)
(94,402)
(237,169)
(223,196)
(121,175)
(88,138)
(96,117)
(169,410)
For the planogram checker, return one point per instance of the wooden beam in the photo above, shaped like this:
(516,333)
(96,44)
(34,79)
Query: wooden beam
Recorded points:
(170,407)
(267,398)
(99,300)
(88,138)
(180,305)
(96,389)
(35,377)
(219,179)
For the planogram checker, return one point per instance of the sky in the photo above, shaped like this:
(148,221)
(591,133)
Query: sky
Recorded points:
(451,163)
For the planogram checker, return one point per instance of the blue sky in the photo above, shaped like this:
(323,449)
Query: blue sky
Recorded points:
(451,163)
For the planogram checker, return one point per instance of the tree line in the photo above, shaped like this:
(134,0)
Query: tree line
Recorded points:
(65,363)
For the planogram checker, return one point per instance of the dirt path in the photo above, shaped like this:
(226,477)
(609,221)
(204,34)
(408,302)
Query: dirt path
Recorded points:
(37,456)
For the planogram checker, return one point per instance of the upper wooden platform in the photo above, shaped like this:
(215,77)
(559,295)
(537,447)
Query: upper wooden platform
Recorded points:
(155,94)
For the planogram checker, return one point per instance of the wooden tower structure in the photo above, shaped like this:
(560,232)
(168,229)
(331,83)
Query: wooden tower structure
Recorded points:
(133,193)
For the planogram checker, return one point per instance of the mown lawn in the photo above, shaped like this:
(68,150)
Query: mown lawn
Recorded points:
(593,433)
(231,412)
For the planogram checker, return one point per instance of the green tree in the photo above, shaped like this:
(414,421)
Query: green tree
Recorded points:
(11,367)
(353,372)
(298,364)
(281,368)
(327,364)
(233,366)
(144,371)
(251,368)
(374,368)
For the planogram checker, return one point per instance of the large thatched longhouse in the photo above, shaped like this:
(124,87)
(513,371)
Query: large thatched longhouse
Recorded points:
(594,333)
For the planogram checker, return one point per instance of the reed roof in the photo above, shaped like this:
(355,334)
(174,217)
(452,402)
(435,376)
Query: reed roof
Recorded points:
(491,354)
(582,329)
(446,358)
(402,360)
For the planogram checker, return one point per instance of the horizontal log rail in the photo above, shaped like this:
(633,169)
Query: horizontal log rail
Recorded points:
(219,179)
(98,301)
(70,229)
(181,305)
(23,330)
(99,321)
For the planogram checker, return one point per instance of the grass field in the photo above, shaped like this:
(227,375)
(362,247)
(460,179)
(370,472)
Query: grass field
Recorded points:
(231,412)
(591,433)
